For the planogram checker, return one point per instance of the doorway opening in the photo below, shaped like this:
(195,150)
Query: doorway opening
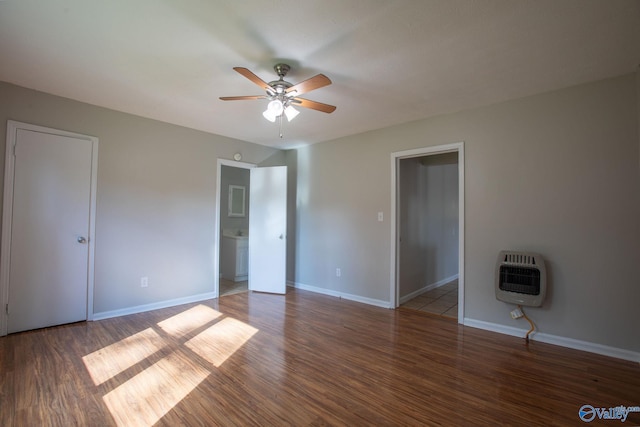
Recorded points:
(234,183)
(427,230)
(260,252)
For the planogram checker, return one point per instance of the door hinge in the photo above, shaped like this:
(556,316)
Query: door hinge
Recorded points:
(6,308)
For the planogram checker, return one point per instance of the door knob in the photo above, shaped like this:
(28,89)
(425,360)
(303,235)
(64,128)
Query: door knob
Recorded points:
(281,237)
(82,240)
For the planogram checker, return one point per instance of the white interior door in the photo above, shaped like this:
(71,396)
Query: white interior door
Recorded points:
(50,230)
(267,230)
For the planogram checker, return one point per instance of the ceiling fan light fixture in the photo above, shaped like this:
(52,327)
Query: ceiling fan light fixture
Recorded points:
(275,107)
(274,110)
(282,95)
(268,114)
(291,113)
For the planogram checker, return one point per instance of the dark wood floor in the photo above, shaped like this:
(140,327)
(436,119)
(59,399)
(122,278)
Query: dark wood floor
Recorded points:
(303,359)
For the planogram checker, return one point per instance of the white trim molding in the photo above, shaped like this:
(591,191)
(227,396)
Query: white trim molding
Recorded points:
(457,147)
(216,233)
(590,347)
(153,306)
(338,294)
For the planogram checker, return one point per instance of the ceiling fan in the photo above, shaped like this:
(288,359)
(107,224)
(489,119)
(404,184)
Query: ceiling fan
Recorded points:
(283,95)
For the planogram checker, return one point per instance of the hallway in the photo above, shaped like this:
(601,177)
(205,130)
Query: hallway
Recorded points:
(442,301)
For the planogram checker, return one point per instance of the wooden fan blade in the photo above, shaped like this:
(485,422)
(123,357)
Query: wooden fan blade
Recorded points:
(325,108)
(248,74)
(308,85)
(241,98)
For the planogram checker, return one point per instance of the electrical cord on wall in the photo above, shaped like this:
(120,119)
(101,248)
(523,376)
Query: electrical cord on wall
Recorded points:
(533,327)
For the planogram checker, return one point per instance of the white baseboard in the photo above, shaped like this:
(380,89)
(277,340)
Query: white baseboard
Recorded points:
(556,340)
(153,306)
(357,298)
(427,288)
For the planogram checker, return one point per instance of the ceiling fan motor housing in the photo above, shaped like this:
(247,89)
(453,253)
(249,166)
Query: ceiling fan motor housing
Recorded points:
(281,70)
(279,86)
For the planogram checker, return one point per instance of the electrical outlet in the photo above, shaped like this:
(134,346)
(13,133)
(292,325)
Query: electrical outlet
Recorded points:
(338,272)
(516,313)
(144,282)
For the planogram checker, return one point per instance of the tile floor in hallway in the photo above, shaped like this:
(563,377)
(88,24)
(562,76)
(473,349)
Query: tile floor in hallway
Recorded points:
(229,287)
(442,301)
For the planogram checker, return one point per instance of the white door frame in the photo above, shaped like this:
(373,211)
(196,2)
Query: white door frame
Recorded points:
(457,147)
(7,213)
(216,245)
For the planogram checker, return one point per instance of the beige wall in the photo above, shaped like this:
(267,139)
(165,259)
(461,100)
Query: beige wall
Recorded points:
(555,173)
(155,198)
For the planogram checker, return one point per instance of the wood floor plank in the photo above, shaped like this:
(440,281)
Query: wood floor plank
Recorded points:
(302,359)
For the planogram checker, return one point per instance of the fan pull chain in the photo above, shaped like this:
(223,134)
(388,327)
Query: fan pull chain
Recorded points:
(281,124)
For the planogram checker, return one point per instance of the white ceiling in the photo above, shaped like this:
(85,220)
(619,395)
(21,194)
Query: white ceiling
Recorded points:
(390,61)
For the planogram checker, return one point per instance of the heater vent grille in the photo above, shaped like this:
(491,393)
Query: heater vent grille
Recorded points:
(519,258)
(520,278)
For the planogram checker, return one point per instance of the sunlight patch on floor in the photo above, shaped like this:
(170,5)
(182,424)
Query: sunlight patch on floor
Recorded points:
(109,361)
(221,340)
(147,397)
(189,320)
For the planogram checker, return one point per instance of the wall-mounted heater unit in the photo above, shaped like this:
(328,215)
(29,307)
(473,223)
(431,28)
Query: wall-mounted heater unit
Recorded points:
(521,278)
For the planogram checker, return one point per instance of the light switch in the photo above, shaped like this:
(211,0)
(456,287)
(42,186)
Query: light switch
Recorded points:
(380,216)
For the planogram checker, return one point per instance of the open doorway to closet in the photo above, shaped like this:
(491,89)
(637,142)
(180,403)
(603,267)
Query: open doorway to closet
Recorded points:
(428,241)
